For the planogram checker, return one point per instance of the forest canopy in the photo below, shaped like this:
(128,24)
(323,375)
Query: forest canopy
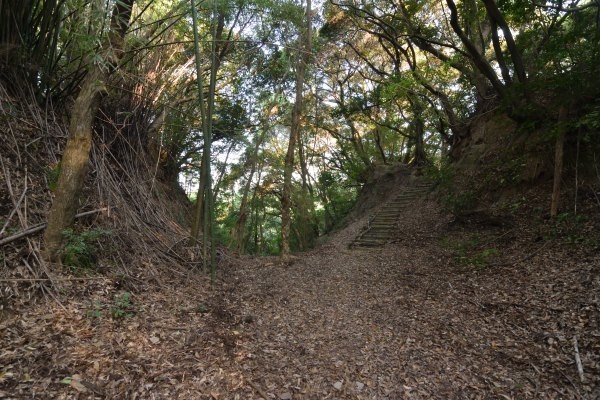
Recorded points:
(299,102)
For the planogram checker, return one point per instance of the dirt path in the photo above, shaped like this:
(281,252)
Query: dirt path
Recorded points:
(405,321)
(401,322)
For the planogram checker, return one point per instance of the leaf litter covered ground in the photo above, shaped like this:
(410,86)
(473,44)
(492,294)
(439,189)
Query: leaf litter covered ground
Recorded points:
(449,309)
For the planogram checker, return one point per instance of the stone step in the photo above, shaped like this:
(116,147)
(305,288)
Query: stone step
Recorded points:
(404,200)
(380,231)
(398,206)
(376,237)
(384,223)
(368,243)
(411,195)
(386,216)
(387,212)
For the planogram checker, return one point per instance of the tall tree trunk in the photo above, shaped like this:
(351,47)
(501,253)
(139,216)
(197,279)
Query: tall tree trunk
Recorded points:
(515,54)
(558,161)
(76,156)
(420,157)
(205,208)
(286,197)
(240,225)
(222,170)
(197,219)
(256,218)
(358,145)
(478,59)
(307,205)
(377,136)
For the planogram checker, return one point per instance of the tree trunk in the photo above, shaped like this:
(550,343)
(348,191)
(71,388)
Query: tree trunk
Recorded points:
(76,156)
(307,205)
(286,198)
(558,162)
(420,155)
(222,170)
(240,225)
(197,221)
(515,54)
(256,217)
(478,59)
(377,136)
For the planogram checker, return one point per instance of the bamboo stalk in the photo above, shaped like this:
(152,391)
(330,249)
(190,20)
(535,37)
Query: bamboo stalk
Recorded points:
(42,226)
(578,360)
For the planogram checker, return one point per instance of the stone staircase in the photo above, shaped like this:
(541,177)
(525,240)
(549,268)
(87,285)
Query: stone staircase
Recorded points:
(382,225)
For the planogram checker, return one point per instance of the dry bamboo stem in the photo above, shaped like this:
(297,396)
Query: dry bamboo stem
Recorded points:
(40,227)
(578,360)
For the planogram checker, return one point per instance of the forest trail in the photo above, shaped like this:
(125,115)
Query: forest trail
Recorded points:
(405,321)
(408,320)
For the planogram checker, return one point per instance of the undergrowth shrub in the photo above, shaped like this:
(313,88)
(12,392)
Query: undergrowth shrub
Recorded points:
(122,306)
(573,229)
(52,173)
(456,201)
(471,253)
(79,253)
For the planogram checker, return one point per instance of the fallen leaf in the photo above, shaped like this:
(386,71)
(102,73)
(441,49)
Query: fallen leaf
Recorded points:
(75,382)
(154,339)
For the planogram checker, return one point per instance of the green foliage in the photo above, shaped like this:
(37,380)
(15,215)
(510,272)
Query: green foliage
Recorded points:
(79,253)
(462,201)
(468,252)
(590,120)
(95,312)
(479,259)
(122,306)
(52,174)
(203,308)
(443,178)
(337,199)
(573,229)
(441,175)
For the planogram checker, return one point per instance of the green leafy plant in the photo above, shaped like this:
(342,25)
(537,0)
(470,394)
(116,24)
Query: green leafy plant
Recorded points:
(122,307)
(79,253)
(573,229)
(203,308)
(460,202)
(52,174)
(478,259)
(95,312)
(468,253)
(443,177)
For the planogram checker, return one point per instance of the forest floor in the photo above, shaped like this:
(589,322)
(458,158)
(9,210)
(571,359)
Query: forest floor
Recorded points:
(474,308)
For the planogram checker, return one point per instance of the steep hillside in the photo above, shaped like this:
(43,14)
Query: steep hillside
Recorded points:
(501,162)
(130,227)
